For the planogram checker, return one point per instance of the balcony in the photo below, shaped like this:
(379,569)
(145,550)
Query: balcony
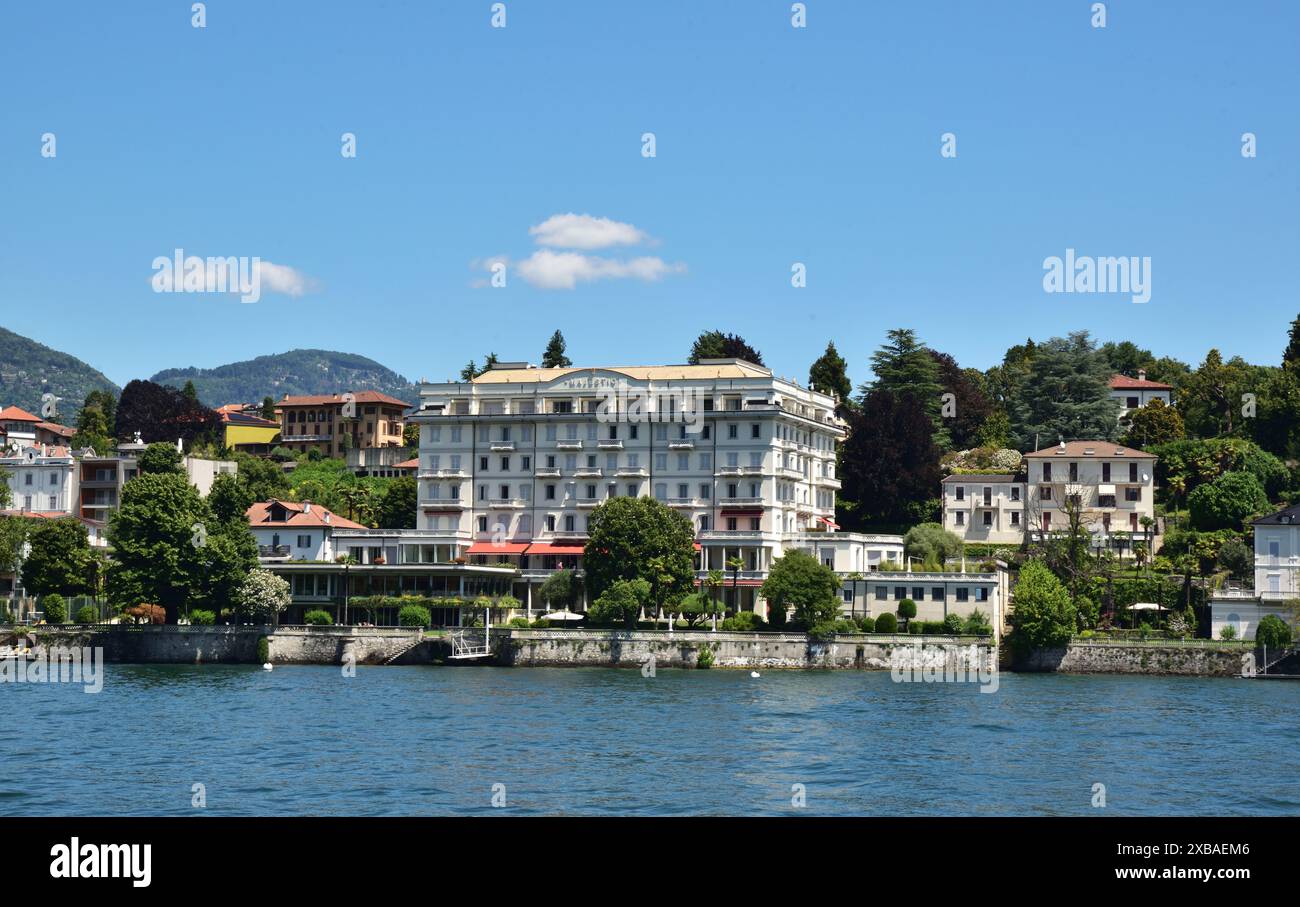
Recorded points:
(587,503)
(687,502)
(631,472)
(725,535)
(610,444)
(443,474)
(507,503)
(682,444)
(442,504)
(738,502)
(587,472)
(570,444)
(503,446)
(272,550)
(548,472)
(829,481)
(789,472)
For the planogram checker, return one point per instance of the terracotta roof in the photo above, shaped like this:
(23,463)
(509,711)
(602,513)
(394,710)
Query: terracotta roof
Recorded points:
(980,477)
(296,514)
(1108,449)
(325,399)
(408,464)
(239,417)
(57,429)
(1125,383)
(14,414)
(46,450)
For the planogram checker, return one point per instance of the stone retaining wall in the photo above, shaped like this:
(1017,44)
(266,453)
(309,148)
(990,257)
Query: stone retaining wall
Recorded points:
(1132,658)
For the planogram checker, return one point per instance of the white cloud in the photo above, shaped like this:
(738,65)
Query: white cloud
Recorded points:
(283,279)
(565,270)
(582,231)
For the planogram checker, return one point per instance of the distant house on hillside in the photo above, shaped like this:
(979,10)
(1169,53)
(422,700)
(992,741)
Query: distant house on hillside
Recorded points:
(335,423)
(1134,393)
(244,428)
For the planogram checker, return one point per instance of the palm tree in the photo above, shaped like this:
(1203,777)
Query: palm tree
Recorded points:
(734,564)
(352,495)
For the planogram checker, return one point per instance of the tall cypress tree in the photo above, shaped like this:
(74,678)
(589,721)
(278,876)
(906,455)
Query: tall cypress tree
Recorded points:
(830,374)
(554,356)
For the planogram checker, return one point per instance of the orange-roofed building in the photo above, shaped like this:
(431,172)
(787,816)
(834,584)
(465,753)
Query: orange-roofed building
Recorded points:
(300,531)
(335,423)
(1134,393)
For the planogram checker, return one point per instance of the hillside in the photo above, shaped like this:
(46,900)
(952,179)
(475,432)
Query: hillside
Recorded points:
(29,370)
(294,372)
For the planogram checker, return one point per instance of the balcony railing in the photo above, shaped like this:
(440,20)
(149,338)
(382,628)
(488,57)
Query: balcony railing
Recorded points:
(631,471)
(502,446)
(272,550)
(548,472)
(507,503)
(568,444)
(442,504)
(610,444)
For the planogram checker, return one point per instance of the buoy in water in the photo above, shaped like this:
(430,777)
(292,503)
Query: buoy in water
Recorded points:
(267,667)
(754,674)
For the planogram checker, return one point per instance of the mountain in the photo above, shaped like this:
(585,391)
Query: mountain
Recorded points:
(29,370)
(294,372)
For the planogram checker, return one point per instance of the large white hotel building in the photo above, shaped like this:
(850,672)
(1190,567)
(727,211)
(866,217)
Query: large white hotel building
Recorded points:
(513,463)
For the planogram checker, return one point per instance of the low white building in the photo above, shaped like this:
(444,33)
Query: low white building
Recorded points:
(42,479)
(936,595)
(291,531)
(1277,578)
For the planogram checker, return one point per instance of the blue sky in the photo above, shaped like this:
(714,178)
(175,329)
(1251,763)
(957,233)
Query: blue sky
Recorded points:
(774,145)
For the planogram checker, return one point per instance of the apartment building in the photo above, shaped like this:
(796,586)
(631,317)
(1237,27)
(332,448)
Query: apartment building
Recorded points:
(1111,487)
(936,595)
(42,479)
(1277,578)
(334,423)
(985,507)
(244,428)
(1133,393)
(513,463)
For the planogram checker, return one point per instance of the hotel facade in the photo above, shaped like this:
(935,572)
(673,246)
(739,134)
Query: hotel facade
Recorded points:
(513,463)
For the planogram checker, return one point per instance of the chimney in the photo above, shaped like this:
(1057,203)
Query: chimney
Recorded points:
(1142,374)
(306,506)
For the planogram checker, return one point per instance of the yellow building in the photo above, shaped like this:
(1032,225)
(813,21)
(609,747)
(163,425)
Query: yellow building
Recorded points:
(245,431)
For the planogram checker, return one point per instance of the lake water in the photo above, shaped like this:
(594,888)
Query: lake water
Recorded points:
(435,741)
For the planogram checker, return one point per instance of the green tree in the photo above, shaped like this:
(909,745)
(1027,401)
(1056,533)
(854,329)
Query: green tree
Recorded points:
(264,479)
(1236,558)
(264,595)
(554,356)
(559,590)
(54,608)
(1211,395)
(1273,632)
(59,559)
(268,409)
(904,367)
(160,458)
(620,602)
(156,558)
(640,538)
(397,507)
(1153,424)
(830,374)
(13,535)
(932,544)
(1226,502)
(906,611)
(1066,395)
(1042,613)
(230,498)
(800,582)
(717,345)
(890,462)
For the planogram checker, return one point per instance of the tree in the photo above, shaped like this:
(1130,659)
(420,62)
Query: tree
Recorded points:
(59,558)
(1153,424)
(932,544)
(95,422)
(1273,633)
(969,424)
(1066,395)
(1210,396)
(620,602)
(906,611)
(398,506)
(163,413)
(554,356)
(161,458)
(13,536)
(1236,558)
(1042,614)
(190,392)
(830,374)
(717,345)
(268,409)
(264,595)
(904,367)
(230,499)
(411,435)
(1291,355)
(264,479)
(56,611)
(1226,502)
(640,538)
(559,591)
(156,556)
(891,466)
(798,580)
(6,494)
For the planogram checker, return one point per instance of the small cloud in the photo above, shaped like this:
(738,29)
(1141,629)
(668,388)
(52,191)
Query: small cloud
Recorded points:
(582,231)
(284,279)
(565,270)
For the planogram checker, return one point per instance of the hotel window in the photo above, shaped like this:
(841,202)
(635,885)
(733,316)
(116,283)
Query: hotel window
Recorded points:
(526,464)
(1074,472)
(661,461)
(455,435)
(732,430)
(754,430)
(988,518)
(591,461)
(550,522)
(683,461)
(505,432)
(505,492)
(483,433)
(550,461)
(611,462)
(706,432)
(527,432)
(731,524)
(505,464)
(936,593)
(755,523)
(755,459)
(455,462)
(561,406)
(482,524)
(1132,472)
(591,490)
(591,432)
(755,490)
(963,594)
(961,493)
(435,432)
(568,523)
(571,432)
(706,490)
(632,432)
(483,464)
(1105,472)
(454,492)
(704,524)
(525,492)
(731,489)
(1047,472)
(550,432)
(961,518)
(683,490)
(613,432)
(482,492)
(661,491)
(706,461)
(661,432)
(882,593)
(550,492)
(571,462)
(634,460)
(633,490)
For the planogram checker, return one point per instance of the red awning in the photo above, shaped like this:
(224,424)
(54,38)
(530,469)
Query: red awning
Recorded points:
(830,523)
(699,547)
(498,548)
(547,548)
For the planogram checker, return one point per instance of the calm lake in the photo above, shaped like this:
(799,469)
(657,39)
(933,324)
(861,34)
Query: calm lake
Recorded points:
(435,741)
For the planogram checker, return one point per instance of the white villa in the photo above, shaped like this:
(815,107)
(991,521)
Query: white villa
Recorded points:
(1134,393)
(1277,578)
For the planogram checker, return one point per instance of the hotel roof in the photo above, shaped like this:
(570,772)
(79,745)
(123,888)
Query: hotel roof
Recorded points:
(708,368)
(326,399)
